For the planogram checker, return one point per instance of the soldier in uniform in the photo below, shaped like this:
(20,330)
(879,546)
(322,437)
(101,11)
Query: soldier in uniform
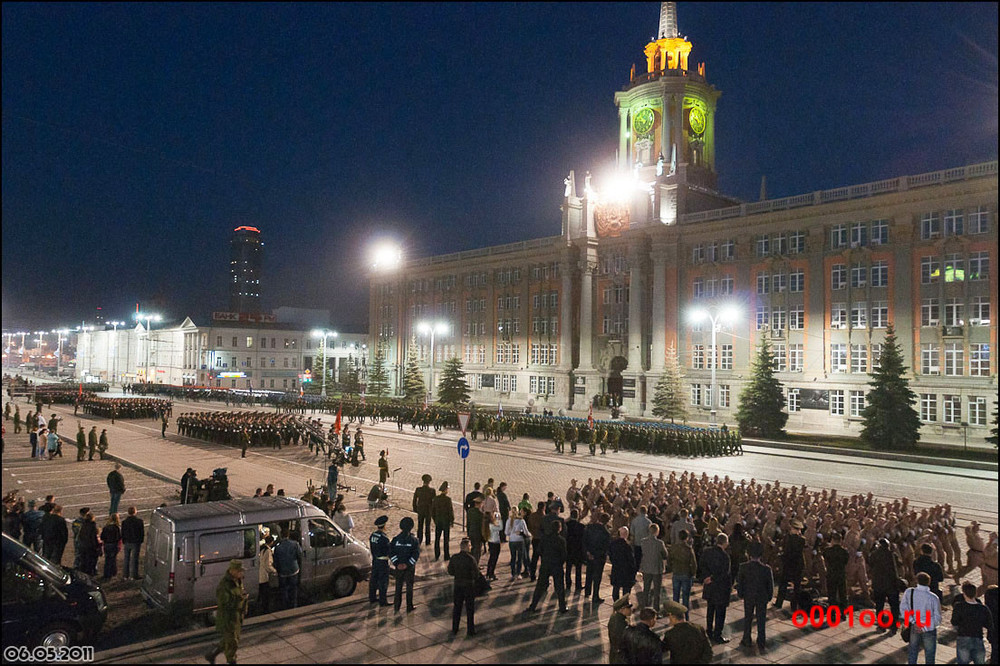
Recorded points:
(81,443)
(405,552)
(378,584)
(603,439)
(592,440)
(423,501)
(102,443)
(558,437)
(232,606)
(92,441)
(615,437)
(571,435)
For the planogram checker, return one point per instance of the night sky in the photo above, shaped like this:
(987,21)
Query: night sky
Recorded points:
(137,136)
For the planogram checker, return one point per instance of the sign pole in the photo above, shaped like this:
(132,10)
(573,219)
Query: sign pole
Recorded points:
(463,496)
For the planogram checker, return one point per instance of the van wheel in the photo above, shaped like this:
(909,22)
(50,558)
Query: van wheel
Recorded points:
(57,634)
(344,584)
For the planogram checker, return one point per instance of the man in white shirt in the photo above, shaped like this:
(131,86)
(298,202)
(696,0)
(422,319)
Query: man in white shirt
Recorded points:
(921,611)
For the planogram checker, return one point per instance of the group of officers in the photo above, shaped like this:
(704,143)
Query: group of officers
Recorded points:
(126,408)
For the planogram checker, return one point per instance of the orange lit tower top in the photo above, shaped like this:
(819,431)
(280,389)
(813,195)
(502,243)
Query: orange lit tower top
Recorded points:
(669,50)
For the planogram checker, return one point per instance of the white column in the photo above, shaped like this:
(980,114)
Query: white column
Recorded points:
(659,310)
(635,257)
(586,313)
(566,314)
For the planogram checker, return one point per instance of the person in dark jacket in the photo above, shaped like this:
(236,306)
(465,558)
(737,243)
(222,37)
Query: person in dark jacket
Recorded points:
(623,569)
(884,568)
(835,556)
(990,599)
(444,515)
(31,524)
(970,617)
(423,506)
(111,537)
(12,520)
(287,562)
(755,586)
(465,569)
(186,485)
(574,550)
(405,553)
(474,527)
(718,587)
(926,563)
(686,643)
(116,487)
(88,545)
(792,563)
(55,535)
(503,506)
(617,625)
(640,645)
(596,540)
(133,534)
(553,554)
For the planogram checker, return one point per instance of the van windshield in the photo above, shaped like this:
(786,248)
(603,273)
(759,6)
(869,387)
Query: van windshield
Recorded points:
(53,573)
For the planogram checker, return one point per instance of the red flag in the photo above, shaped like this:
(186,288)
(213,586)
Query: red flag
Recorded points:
(80,392)
(590,418)
(336,426)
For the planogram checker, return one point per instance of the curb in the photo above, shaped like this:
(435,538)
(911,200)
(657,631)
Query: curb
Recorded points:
(145,470)
(877,455)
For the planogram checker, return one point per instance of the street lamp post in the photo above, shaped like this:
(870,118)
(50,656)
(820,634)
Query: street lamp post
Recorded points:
(324,334)
(59,340)
(149,319)
(114,361)
(716,315)
(430,328)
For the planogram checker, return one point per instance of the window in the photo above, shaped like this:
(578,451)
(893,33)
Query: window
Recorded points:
(838,315)
(726,286)
(763,283)
(876,355)
(223,546)
(859,358)
(929,359)
(723,395)
(726,361)
(249,362)
(728,250)
(880,314)
(698,357)
(929,312)
(695,394)
(235,341)
(954,359)
(711,287)
(263,343)
(779,359)
(218,341)
(838,236)
(980,315)
(249,341)
(954,268)
(977,410)
(953,312)
(930,270)
(859,234)
(979,220)
(880,273)
(838,276)
(838,357)
(779,282)
(979,266)
(796,318)
(323,534)
(952,408)
(979,359)
(880,232)
(712,252)
(837,402)
(796,281)
(859,315)
(698,288)
(763,246)
(762,317)
(954,222)
(859,276)
(857,403)
(930,226)
(778,319)
(797,242)
(792,400)
(698,253)
(781,244)
(928,407)
(795,357)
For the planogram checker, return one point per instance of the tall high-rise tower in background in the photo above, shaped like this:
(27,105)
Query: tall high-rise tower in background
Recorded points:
(246,260)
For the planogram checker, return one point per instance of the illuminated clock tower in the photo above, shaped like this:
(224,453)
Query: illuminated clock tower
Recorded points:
(666,136)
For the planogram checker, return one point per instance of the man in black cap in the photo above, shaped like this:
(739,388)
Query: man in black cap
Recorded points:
(617,625)
(755,585)
(405,551)
(423,505)
(553,558)
(686,643)
(444,515)
(378,584)
(792,563)
(465,569)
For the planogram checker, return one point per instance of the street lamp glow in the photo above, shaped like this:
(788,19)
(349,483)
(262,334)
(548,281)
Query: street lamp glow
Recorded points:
(717,314)
(386,256)
(432,328)
(324,334)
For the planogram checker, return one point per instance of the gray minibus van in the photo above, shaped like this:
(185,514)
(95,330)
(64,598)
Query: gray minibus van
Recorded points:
(189,546)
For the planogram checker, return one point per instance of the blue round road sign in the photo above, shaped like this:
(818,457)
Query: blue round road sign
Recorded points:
(463,447)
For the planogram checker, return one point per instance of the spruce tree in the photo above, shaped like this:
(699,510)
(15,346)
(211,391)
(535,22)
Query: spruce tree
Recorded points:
(414,388)
(452,389)
(668,400)
(890,421)
(992,439)
(350,378)
(762,400)
(378,378)
(316,373)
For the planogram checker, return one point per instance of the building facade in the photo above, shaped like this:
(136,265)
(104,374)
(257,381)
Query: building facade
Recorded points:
(554,321)
(246,261)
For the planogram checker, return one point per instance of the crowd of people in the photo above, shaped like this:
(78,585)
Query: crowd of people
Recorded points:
(127,408)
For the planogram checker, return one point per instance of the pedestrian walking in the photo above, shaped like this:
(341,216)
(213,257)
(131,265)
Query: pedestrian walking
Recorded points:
(423,506)
(91,442)
(332,477)
(116,487)
(54,535)
(443,513)
(405,553)
(383,467)
(654,555)
(379,544)
(617,624)
(81,443)
(231,606)
(163,426)
(287,561)
(493,544)
(685,642)
(33,440)
(52,444)
(970,617)
(102,443)
(466,572)
(924,609)
(553,556)
(755,586)
(111,537)
(133,534)
(718,587)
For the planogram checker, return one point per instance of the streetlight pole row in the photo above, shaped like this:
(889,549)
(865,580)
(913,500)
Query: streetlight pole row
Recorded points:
(430,328)
(324,334)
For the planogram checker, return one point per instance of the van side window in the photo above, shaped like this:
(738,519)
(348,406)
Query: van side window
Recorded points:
(21,585)
(227,545)
(322,534)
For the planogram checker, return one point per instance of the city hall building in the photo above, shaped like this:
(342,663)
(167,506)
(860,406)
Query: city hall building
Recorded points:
(597,309)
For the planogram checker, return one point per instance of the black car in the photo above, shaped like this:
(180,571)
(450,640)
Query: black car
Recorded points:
(45,604)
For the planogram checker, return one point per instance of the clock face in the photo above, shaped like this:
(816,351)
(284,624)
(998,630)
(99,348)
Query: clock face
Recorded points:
(696,119)
(643,121)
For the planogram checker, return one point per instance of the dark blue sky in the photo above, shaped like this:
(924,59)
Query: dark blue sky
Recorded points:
(137,136)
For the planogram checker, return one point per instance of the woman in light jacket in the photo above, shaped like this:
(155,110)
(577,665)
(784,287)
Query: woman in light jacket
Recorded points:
(496,527)
(517,537)
(267,574)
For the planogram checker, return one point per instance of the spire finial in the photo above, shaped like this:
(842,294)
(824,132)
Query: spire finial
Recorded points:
(668,20)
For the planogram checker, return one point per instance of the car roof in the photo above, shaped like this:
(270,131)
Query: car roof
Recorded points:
(227,513)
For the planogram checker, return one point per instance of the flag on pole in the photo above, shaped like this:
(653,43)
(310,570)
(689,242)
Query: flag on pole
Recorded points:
(336,426)
(80,392)
(590,418)
(300,390)
(499,409)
